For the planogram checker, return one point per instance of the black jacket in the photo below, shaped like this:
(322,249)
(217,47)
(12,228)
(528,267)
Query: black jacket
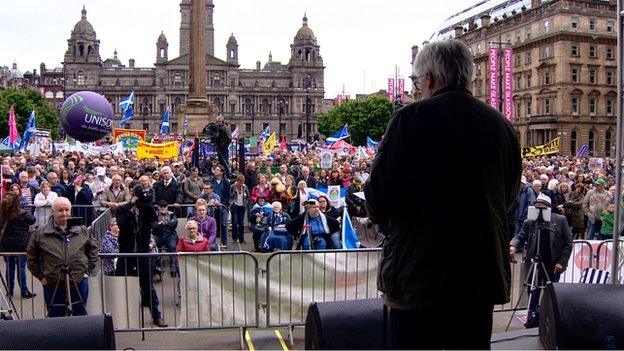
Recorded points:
(16,234)
(171,193)
(435,220)
(560,239)
(295,226)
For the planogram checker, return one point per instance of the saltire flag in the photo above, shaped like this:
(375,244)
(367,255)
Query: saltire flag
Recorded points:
(235,133)
(349,236)
(127,109)
(343,133)
(269,145)
(185,125)
(265,133)
(29,131)
(164,127)
(371,144)
(582,151)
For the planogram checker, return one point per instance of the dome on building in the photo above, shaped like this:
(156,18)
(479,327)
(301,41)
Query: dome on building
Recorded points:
(305,33)
(83,26)
(232,40)
(162,38)
(16,73)
(112,63)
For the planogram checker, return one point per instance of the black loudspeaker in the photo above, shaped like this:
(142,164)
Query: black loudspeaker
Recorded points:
(59,333)
(582,316)
(343,325)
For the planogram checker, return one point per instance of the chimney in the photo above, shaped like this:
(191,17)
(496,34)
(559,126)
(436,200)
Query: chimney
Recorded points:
(536,3)
(131,63)
(459,30)
(485,20)
(258,65)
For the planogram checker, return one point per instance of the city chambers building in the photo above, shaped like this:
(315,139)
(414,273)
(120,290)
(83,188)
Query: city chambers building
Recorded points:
(280,95)
(564,67)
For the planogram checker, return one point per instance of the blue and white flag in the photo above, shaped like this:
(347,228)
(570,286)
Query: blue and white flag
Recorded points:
(185,125)
(371,144)
(15,146)
(265,133)
(29,131)
(343,133)
(164,127)
(349,236)
(127,109)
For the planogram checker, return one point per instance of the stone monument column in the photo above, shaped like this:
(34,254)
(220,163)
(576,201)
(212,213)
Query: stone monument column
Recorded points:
(196,108)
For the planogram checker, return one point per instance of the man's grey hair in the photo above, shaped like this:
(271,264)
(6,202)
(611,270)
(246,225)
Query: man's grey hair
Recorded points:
(450,62)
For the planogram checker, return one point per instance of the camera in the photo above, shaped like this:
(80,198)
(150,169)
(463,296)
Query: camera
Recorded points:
(144,196)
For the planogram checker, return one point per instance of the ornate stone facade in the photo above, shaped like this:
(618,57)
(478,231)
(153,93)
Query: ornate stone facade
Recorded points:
(249,99)
(564,70)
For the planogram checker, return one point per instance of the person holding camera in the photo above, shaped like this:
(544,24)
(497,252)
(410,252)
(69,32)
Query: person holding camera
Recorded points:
(548,236)
(58,251)
(323,230)
(164,232)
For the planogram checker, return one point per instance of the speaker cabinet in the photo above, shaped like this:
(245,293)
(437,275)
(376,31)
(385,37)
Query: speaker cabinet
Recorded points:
(344,325)
(582,316)
(61,333)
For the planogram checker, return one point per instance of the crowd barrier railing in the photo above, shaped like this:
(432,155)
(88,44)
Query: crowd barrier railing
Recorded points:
(604,256)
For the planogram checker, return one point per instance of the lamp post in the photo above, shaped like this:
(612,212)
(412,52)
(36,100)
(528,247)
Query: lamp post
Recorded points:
(253,120)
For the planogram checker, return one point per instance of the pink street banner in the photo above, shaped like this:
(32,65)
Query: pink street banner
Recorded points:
(401,88)
(507,84)
(391,89)
(493,81)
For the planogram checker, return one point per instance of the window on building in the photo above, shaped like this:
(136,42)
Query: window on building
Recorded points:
(282,128)
(608,143)
(575,49)
(574,22)
(161,107)
(546,79)
(609,75)
(248,107)
(80,78)
(161,81)
(610,54)
(528,80)
(232,82)
(592,106)
(146,127)
(609,26)
(478,69)
(528,108)
(527,32)
(248,127)
(177,79)
(528,138)
(592,76)
(517,60)
(232,108)
(592,143)
(527,58)
(518,37)
(546,26)
(593,51)
(573,142)
(547,106)
(575,75)
(479,85)
(518,109)
(592,24)
(517,82)
(609,107)
(575,106)
(546,52)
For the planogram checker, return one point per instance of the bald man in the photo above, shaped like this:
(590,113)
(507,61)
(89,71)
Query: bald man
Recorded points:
(55,242)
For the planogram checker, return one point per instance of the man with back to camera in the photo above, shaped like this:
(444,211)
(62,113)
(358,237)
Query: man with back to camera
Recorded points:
(422,273)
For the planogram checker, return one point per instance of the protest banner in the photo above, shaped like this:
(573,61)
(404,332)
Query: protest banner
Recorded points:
(161,151)
(552,147)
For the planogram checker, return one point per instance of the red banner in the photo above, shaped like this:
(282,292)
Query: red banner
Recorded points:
(507,84)
(493,78)
(391,95)
(138,133)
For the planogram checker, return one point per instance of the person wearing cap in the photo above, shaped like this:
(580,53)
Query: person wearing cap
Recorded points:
(554,247)
(81,198)
(526,198)
(99,185)
(324,230)
(164,232)
(594,202)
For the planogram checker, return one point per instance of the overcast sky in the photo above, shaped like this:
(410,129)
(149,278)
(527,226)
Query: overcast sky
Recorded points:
(361,40)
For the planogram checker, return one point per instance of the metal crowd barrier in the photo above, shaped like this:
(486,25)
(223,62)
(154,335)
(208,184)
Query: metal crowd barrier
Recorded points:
(294,279)
(603,254)
(16,306)
(100,225)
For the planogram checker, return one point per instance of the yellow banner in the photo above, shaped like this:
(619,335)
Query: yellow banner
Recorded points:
(269,145)
(551,148)
(162,151)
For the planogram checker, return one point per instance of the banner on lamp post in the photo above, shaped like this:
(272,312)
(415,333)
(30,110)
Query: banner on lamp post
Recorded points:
(493,78)
(507,84)
(391,89)
(402,89)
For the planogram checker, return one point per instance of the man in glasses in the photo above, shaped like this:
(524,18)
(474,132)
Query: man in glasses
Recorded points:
(420,273)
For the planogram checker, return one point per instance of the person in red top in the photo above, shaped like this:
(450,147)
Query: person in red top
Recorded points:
(192,241)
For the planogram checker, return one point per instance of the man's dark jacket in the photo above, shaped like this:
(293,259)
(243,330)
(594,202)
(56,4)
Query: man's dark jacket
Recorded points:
(559,238)
(171,193)
(458,162)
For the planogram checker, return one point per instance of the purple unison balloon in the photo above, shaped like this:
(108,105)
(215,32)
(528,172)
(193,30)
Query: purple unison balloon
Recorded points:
(86,116)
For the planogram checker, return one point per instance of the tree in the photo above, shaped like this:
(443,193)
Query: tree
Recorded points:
(25,101)
(368,117)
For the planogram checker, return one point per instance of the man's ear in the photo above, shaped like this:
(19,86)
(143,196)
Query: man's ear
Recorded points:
(431,83)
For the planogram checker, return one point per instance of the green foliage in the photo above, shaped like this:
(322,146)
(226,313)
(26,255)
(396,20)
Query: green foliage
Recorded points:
(26,100)
(368,117)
